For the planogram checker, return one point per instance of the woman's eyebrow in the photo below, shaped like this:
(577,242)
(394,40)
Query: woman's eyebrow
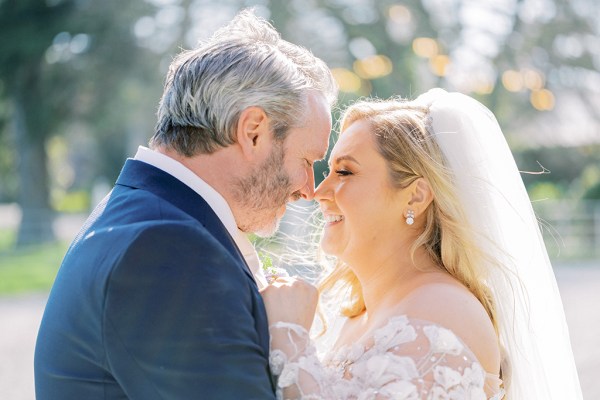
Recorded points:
(345,158)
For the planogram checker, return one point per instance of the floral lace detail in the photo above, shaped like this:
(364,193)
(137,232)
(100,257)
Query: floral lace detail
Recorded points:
(404,359)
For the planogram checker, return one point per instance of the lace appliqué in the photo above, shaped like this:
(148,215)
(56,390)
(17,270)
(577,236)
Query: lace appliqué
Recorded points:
(404,360)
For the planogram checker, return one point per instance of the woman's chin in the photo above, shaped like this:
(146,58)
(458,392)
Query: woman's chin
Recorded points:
(329,248)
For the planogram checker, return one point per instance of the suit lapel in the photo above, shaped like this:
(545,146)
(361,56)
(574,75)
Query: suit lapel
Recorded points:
(140,175)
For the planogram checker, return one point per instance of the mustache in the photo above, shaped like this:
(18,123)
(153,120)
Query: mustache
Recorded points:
(295,196)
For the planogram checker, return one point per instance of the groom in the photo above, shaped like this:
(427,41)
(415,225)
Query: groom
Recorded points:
(157,296)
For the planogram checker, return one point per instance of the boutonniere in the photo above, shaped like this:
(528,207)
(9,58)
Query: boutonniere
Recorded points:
(270,271)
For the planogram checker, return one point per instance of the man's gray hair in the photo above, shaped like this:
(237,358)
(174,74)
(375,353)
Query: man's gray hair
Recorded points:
(244,64)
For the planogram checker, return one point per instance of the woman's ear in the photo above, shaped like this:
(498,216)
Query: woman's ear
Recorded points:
(420,196)
(253,131)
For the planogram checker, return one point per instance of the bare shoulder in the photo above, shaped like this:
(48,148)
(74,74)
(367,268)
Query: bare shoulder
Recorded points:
(444,301)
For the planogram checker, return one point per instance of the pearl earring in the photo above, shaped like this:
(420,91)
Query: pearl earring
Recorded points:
(410,217)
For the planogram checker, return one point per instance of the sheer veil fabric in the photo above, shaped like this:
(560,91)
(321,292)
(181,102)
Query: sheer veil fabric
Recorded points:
(538,362)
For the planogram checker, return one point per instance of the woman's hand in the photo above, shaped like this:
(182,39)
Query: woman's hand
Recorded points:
(291,300)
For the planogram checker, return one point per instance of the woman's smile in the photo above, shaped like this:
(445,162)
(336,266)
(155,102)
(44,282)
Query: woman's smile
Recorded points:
(333,219)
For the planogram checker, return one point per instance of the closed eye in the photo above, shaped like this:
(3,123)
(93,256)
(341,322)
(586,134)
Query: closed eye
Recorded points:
(343,172)
(339,172)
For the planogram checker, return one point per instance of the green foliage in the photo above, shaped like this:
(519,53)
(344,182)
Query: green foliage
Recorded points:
(7,239)
(593,193)
(76,69)
(61,62)
(545,191)
(267,263)
(8,159)
(590,182)
(29,269)
(568,169)
(72,202)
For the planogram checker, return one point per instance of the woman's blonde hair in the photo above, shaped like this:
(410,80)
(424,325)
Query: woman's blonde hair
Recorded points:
(404,138)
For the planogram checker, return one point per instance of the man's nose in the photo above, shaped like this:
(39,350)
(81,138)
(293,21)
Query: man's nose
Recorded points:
(308,190)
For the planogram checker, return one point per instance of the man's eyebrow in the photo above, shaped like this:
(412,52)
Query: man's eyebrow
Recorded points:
(344,158)
(319,155)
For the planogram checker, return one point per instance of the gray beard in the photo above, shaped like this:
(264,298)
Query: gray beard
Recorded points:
(262,192)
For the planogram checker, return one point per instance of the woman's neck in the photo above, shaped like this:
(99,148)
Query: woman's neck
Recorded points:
(386,280)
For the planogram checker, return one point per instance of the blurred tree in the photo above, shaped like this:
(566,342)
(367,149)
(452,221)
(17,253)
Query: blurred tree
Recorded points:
(593,193)
(547,74)
(51,56)
(92,70)
(8,181)
(563,166)
(519,57)
(28,29)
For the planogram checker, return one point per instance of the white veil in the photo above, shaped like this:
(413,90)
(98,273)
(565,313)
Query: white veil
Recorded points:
(532,325)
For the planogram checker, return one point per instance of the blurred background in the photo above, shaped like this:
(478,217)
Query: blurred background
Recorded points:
(80,82)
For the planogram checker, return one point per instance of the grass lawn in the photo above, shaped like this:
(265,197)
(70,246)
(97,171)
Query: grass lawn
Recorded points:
(29,269)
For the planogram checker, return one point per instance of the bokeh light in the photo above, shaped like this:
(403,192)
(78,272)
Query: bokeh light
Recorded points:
(425,47)
(373,67)
(439,64)
(542,100)
(512,80)
(347,80)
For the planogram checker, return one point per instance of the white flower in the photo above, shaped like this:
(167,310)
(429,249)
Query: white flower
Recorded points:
(443,340)
(367,394)
(452,386)
(397,331)
(289,376)
(446,377)
(462,393)
(437,393)
(476,394)
(473,376)
(355,352)
(386,368)
(277,359)
(400,390)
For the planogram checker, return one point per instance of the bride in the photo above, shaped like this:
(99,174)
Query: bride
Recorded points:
(441,276)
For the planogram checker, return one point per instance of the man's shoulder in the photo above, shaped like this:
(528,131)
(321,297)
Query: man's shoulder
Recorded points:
(169,232)
(150,233)
(135,209)
(136,223)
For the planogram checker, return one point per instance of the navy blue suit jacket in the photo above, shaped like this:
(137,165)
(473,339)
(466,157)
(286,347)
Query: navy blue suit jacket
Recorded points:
(153,301)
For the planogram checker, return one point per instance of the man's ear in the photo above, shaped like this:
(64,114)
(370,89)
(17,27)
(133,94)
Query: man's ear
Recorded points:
(420,196)
(253,131)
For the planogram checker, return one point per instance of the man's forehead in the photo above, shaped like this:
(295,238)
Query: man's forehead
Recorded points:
(320,150)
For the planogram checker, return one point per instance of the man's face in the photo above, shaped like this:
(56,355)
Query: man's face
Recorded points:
(287,174)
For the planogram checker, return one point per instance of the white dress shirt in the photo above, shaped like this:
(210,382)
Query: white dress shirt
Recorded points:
(213,198)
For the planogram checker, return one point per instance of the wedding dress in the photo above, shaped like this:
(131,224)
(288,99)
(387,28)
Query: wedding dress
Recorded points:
(405,359)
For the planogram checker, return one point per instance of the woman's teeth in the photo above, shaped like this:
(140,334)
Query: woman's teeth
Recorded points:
(333,218)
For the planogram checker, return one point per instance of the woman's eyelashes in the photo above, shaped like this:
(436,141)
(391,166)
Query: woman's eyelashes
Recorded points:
(343,172)
(339,172)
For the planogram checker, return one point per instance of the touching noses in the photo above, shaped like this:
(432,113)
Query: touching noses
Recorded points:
(308,190)
(322,192)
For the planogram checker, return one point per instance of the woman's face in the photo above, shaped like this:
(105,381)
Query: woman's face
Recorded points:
(361,208)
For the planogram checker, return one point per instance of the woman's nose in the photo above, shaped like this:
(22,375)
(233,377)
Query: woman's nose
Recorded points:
(322,191)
